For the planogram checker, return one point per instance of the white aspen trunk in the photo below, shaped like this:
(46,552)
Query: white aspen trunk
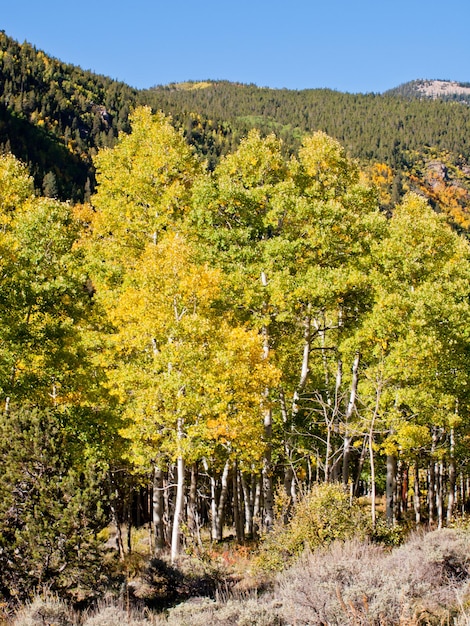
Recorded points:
(221,504)
(248,502)
(193,518)
(432,479)
(462,493)
(320,328)
(213,506)
(405,488)
(268,490)
(167,505)
(328,452)
(213,509)
(336,461)
(53,394)
(158,505)
(360,465)
(337,400)
(289,482)
(289,475)
(431,492)
(390,489)
(440,494)
(258,491)
(397,503)
(346,456)
(416,498)
(288,470)
(373,498)
(157,509)
(452,478)
(328,406)
(304,370)
(179,501)
(372,479)
(331,411)
(349,411)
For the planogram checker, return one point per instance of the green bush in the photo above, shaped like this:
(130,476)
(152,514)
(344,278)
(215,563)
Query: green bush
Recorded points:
(322,516)
(386,535)
(51,509)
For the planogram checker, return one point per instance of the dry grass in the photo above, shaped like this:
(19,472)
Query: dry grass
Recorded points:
(46,609)
(425,582)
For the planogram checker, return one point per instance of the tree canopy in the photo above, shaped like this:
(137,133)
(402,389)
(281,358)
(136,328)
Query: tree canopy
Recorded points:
(205,333)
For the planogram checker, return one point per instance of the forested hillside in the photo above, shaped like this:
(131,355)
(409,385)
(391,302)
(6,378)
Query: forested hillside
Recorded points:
(370,126)
(260,339)
(55,116)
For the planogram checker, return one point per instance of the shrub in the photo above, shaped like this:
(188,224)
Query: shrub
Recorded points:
(233,612)
(422,582)
(51,509)
(386,535)
(114,615)
(322,516)
(161,585)
(46,609)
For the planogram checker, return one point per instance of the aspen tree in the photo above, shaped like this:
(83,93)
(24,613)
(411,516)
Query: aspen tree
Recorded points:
(188,375)
(414,338)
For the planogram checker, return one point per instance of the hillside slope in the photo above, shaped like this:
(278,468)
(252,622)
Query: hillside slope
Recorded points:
(55,116)
(371,126)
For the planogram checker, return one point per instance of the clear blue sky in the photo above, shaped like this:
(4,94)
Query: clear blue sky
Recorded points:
(348,45)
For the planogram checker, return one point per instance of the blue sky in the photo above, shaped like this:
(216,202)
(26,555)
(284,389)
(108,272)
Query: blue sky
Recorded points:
(348,45)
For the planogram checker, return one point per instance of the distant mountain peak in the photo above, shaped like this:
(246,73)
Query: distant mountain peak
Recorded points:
(442,88)
(433,89)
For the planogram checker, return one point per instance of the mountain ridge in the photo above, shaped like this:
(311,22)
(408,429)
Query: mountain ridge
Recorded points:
(420,87)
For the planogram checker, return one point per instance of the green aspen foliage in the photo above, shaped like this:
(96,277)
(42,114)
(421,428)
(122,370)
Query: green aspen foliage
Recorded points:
(414,339)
